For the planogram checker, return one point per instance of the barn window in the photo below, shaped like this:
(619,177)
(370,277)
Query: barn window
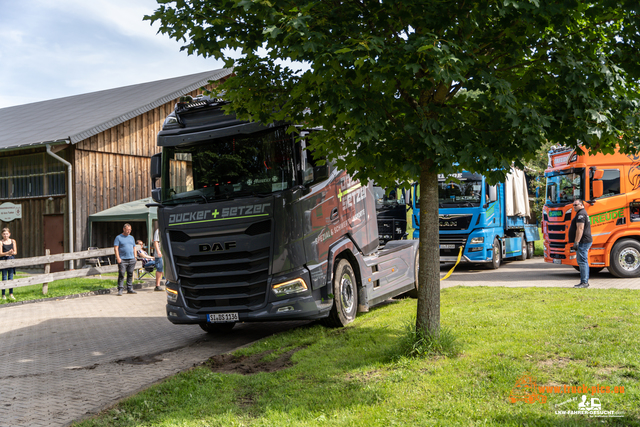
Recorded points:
(31,175)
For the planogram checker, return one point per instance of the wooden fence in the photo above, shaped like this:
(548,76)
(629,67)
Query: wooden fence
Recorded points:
(47,277)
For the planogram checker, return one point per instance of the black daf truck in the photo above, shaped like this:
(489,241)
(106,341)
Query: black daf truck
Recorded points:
(253,229)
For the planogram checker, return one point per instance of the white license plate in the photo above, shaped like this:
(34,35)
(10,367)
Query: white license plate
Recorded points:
(222,317)
(557,261)
(447,246)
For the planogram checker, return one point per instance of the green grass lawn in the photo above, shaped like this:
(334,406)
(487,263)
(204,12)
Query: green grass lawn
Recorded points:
(60,288)
(357,376)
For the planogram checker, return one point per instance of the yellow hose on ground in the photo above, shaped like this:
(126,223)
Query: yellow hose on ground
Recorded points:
(452,268)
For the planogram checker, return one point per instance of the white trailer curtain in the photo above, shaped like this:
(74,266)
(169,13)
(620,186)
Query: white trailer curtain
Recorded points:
(516,194)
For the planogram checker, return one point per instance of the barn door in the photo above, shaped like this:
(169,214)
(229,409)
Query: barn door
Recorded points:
(54,238)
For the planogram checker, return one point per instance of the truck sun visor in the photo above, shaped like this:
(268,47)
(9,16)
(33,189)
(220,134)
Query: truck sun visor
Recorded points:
(188,138)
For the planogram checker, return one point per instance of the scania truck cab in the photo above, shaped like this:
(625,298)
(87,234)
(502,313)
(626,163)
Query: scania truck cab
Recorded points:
(610,186)
(254,229)
(480,223)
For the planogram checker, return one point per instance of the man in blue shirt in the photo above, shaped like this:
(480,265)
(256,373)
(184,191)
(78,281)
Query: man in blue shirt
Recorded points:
(125,247)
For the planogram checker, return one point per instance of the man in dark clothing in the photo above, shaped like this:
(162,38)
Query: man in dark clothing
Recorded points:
(580,234)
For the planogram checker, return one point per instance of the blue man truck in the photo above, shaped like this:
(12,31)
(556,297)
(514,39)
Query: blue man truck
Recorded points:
(489,223)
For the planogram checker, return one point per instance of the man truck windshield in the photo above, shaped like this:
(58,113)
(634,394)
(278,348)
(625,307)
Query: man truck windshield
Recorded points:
(229,167)
(465,193)
(564,187)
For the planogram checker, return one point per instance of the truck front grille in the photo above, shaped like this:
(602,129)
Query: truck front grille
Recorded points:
(228,281)
(452,240)
(557,245)
(454,222)
(556,236)
(556,227)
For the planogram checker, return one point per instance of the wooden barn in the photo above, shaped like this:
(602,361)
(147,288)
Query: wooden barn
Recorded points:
(64,159)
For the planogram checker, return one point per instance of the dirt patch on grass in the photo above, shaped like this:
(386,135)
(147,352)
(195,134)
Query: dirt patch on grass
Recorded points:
(248,365)
(607,371)
(245,401)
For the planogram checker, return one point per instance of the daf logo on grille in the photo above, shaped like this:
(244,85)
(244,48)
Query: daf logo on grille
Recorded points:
(216,247)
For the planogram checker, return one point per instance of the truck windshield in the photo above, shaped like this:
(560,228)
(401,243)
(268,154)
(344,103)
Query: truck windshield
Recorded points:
(230,167)
(390,197)
(465,193)
(564,187)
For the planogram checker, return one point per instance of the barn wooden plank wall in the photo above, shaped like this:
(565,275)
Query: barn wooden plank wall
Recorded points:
(28,231)
(112,167)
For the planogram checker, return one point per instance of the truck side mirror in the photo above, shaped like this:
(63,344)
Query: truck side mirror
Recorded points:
(155,168)
(493,193)
(598,174)
(156,195)
(320,173)
(597,188)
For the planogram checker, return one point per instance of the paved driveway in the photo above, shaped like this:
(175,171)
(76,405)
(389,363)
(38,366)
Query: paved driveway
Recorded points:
(532,272)
(63,360)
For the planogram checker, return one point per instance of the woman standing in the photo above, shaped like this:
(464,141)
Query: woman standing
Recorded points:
(9,249)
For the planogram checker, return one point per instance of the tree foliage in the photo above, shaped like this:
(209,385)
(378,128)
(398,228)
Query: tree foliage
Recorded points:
(412,88)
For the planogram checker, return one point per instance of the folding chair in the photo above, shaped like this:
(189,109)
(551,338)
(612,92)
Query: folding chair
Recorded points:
(146,270)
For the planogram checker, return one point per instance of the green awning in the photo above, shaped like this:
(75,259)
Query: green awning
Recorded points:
(127,212)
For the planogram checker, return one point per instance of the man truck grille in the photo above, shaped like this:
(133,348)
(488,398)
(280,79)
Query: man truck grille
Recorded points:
(450,244)
(454,222)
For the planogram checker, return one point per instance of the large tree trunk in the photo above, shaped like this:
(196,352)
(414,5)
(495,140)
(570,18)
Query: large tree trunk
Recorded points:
(428,316)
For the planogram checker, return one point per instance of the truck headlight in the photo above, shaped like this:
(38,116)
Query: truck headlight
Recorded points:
(476,240)
(291,287)
(172,295)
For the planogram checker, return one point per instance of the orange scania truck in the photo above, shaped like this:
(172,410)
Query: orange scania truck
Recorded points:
(610,186)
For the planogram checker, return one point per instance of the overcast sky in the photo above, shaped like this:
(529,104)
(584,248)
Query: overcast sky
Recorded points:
(56,48)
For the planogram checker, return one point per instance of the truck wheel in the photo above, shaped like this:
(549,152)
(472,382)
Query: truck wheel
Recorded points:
(345,296)
(217,328)
(497,255)
(531,250)
(625,259)
(525,251)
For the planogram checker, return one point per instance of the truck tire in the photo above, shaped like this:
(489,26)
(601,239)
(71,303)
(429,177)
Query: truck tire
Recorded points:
(625,258)
(345,296)
(531,250)
(524,249)
(496,257)
(217,328)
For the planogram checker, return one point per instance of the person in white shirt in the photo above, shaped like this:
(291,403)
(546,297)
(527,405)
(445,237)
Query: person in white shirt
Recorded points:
(158,259)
